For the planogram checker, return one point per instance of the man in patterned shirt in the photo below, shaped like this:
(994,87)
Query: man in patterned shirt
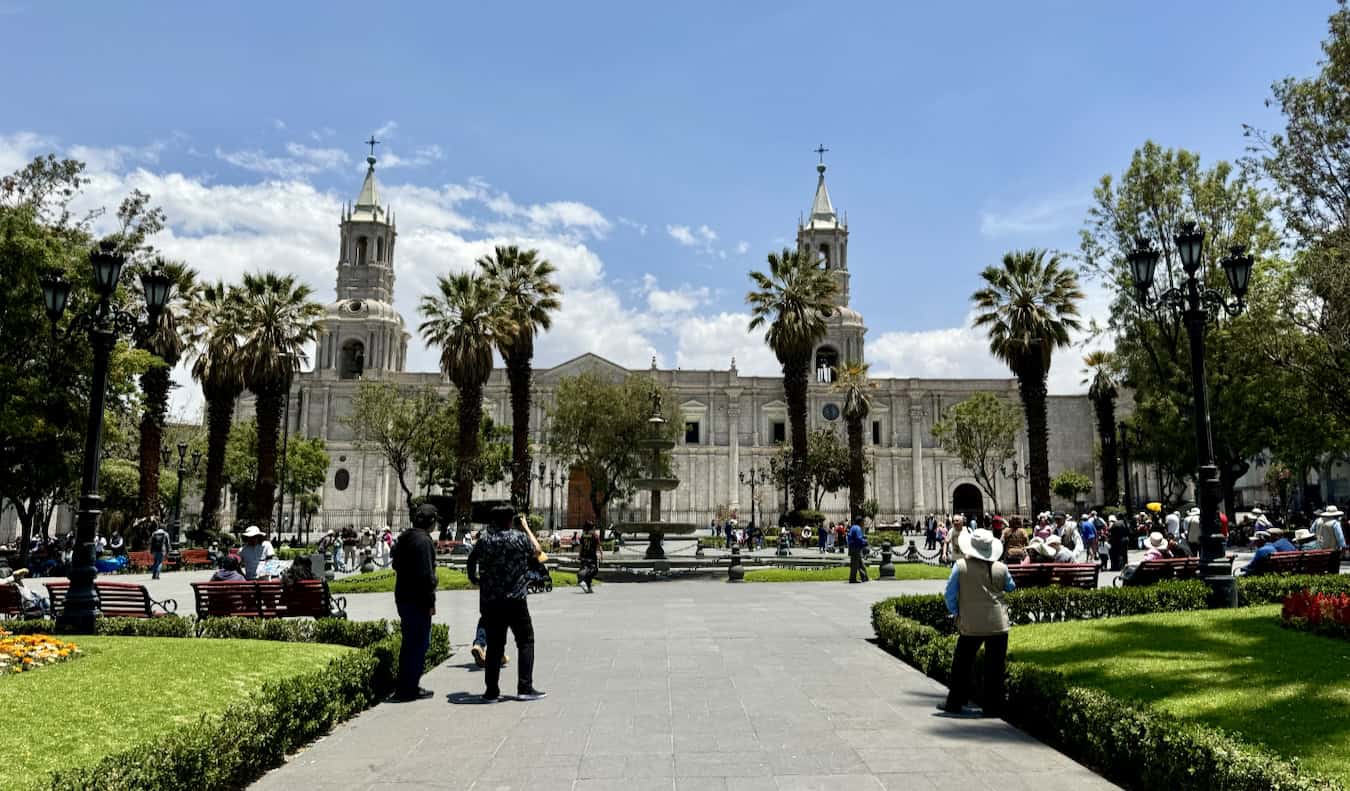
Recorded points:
(498,566)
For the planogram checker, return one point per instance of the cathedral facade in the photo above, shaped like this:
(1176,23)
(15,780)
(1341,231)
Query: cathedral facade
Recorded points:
(733,422)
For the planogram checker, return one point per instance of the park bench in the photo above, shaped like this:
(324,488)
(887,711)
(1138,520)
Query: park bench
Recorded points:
(194,559)
(139,561)
(1313,561)
(1042,575)
(1151,571)
(448,547)
(116,600)
(267,599)
(11,603)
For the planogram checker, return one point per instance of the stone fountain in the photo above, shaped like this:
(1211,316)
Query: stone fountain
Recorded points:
(656,482)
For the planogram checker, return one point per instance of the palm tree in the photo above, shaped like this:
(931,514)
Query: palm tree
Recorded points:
(1102,393)
(167,341)
(853,383)
(528,297)
(466,321)
(1029,304)
(276,319)
(792,301)
(214,345)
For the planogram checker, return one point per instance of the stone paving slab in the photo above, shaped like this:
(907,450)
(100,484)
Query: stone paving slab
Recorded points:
(682,685)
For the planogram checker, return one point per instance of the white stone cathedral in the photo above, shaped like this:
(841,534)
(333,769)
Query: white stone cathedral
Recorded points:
(732,422)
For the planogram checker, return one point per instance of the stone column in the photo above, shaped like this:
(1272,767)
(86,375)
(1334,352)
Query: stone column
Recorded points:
(916,456)
(734,428)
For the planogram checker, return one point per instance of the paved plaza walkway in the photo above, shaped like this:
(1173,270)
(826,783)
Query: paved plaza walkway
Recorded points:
(682,685)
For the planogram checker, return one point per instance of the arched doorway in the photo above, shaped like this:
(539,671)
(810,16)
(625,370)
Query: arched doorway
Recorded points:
(967,500)
(353,360)
(579,509)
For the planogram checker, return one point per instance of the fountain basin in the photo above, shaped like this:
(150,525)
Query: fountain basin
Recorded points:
(657,484)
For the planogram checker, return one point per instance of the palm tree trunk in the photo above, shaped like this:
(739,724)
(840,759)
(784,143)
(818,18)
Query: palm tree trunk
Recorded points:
(1031,387)
(518,375)
(268,407)
(466,451)
(795,382)
(1106,433)
(219,418)
(155,386)
(857,477)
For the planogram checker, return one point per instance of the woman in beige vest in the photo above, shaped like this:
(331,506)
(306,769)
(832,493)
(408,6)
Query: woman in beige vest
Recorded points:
(975,592)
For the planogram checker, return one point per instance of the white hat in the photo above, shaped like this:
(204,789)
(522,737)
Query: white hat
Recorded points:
(1041,548)
(1258,511)
(1195,511)
(1157,540)
(1275,532)
(1303,534)
(980,543)
(1331,512)
(1264,535)
(1053,540)
(252,531)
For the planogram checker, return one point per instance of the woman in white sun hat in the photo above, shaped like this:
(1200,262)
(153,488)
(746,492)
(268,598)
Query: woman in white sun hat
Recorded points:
(1328,528)
(975,592)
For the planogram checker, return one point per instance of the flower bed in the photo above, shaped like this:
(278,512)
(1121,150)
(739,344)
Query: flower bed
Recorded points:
(1327,614)
(21,652)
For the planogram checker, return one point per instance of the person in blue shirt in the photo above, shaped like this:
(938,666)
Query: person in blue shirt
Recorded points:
(1279,542)
(857,545)
(1264,549)
(974,595)
(1328,528)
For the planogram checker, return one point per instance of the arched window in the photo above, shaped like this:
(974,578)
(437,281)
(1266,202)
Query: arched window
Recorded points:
(342,480)
(353,360)
(361,244)
(379,248)
(824,257)
(827,364)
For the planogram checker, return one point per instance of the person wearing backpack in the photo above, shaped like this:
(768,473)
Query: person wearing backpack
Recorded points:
(159,547)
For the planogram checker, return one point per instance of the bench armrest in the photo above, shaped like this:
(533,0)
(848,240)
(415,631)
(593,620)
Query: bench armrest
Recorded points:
(169,606)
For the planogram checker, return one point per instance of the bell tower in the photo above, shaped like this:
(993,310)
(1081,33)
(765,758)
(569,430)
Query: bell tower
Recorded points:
(826,236)
(366,251)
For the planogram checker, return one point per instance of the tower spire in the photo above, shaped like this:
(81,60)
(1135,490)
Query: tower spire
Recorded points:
(822,211)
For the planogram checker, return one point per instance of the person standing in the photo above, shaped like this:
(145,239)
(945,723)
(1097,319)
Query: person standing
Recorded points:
(930,534)
(414,559)
(857,545)
(1173,523)
(975,595)
(1119,533)
(159,547)
(498,566)
(954,538)
(589,557)
(1328,529)
(255,552)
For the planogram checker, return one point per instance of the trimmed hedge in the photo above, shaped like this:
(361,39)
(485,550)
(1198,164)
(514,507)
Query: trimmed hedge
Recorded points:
(1274,588)
(234,748)
(113,627)
(1135,747)
(1040,605)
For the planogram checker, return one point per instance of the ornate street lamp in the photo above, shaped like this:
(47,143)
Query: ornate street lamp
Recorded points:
(758,477)
(1016,477)
(1199,305)
(553,484)
(104,322)
(183,471)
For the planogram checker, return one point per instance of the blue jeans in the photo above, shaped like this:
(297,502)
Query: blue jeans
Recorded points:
(412,655)
(156,560)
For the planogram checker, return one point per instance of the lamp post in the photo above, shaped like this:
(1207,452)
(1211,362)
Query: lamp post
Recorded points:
(166,455)
(1197,305)
(104,322)
(758,477)
(1016,477)
(553,484)
(1124,441)
(776,470)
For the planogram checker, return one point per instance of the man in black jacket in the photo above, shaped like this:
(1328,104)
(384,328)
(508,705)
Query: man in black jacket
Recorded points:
(497,565)
(414,561)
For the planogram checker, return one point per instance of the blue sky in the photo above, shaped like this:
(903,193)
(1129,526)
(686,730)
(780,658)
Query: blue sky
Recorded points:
(656,152)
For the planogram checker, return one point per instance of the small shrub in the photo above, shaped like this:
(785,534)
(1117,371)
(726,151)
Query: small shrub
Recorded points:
(168,626)
(1275,588)
(1319,613)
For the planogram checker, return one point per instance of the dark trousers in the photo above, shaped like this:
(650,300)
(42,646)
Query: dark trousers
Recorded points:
(156,563)
(963,671)
(855,566)
(586,574)
(513,614)
(415,623)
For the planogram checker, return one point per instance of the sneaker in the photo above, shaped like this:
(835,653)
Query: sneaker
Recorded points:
(531,694)
(491,697)
(422,693)
(479,655)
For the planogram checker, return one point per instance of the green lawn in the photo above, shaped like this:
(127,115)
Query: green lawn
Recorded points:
(132,689)
(1234,669)
(903,571)
(447,580)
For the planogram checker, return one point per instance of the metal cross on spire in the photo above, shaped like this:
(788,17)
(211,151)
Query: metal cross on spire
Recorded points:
(820,151)
(372,142)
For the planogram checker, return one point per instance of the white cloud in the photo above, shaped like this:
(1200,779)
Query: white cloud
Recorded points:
(387,130)
(640,227)
(300,161)
(684,299)
(682,234)
(1038,216)
(278,124)
(712,342)
(701,237)
(742,247)
(420,157)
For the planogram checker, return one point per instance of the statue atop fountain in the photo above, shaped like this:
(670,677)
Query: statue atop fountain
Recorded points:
(656,482)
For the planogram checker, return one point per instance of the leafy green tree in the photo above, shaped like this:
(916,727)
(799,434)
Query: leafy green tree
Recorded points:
(218,366)
(396,421)
(1028,305)
(44,399)
(856,388)
(1159,191)
(1102,392)
(1071,485)
(529,297)
(595,426)
(826,468)
(1309,166)
(791,302)
(982,432)
(464,320)
(436,451)
(119,482)
(277,319)
(306,468)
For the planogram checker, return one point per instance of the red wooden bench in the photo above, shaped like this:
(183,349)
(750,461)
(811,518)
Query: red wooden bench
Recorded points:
(1313,561)
(11,603)
(1151,571)
(1042,575)
(139,561)
(194,559)
(116,600)
(267,599)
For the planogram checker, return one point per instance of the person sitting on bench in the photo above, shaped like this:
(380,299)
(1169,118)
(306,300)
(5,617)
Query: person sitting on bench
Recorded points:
(1264,549)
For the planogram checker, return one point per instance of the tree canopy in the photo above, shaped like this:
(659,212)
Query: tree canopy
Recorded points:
(982,432)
